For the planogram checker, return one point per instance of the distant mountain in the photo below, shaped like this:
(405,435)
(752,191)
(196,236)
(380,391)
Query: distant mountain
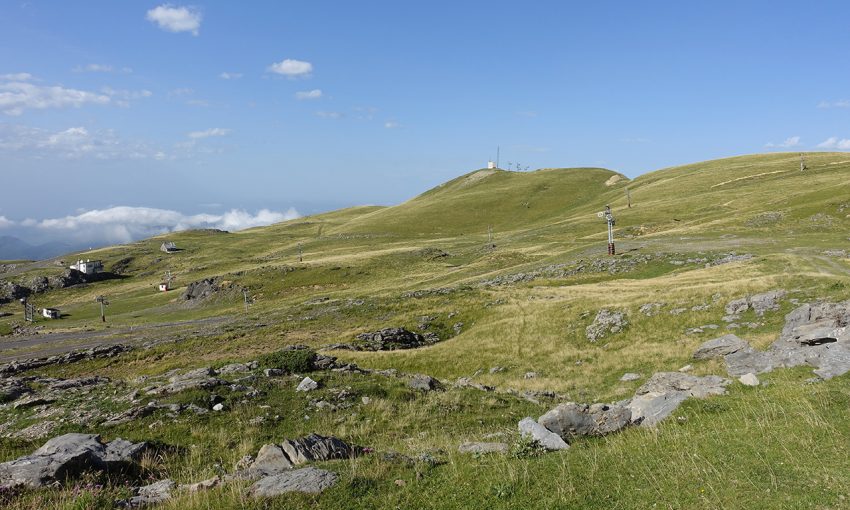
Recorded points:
(13,248)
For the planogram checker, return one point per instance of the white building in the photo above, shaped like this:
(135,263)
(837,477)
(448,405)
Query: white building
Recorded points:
(168,247)
(88,266)
(491,165)
(164,287)
(50,313)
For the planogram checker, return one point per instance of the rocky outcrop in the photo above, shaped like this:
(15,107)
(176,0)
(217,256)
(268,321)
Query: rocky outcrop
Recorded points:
(390,339)
(67,457)
(721,346)
(102,351)
(571,419)
(273,459)
(665,391)
(817,335)
(310,480)
(607,322)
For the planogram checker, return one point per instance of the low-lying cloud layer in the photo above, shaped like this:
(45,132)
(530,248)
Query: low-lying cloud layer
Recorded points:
(125,224)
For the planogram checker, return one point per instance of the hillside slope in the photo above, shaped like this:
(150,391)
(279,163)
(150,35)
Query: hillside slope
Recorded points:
(508,321)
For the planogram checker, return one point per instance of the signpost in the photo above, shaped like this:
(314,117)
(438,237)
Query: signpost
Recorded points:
(609,218)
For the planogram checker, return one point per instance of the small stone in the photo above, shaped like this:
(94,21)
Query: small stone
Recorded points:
(482,448)
(307,384)
(424,383)
(749,379)
(218,407)
(530,375)
(273,372)
(400,483)
(366,400)
(630,376)
(686,368)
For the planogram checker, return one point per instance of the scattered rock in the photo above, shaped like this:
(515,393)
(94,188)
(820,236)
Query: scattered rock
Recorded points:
(218,407)
(390,339)
(721,346)
(318,448)
(152,494)
(67,456)
(607,322)
(528,427)
(483,448)
(749,379)
(307,384)
(37,430)
(308,479)
(686,368)
(203,485)
(768,301)
(650,309)
(664,391)
(630,376)
(530,375)
(424,383)
(737,306)
(274,372)
(573,419)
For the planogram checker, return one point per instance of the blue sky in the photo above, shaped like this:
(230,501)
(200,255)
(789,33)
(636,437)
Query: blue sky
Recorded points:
(217,107)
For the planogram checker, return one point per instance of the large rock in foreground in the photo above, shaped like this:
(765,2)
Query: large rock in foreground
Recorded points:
(571,419)
(67,457)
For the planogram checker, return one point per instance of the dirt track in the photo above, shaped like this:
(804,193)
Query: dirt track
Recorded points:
(48,344)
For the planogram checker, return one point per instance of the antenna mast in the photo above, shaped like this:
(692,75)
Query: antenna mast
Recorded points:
(497,156)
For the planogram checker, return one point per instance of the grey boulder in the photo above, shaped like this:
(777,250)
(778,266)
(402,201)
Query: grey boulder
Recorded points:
(309,479)
(573,419)
(721,346)
(66,457)
(528,427)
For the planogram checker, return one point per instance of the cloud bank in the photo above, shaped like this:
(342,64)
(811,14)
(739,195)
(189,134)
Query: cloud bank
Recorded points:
(124,224)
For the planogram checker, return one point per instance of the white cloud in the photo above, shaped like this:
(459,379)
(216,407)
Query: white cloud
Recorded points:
(196,135)
(123,97)
(17,96)
(124,224)
(292,68)
(16,77)
(230,76)
(6,222)
(834,143)
(102,68)
(793,141)
(176,19)
(330,115)
(391,124)
(842,103)
(72,143)
(308,94)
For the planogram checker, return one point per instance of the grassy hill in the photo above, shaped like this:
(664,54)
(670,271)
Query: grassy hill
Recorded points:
(521,302)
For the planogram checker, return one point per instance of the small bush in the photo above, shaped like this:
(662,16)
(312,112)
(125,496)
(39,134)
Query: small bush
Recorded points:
(526,447)
(292,361)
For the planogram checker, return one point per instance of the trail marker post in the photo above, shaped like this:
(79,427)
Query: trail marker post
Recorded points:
(103,303)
